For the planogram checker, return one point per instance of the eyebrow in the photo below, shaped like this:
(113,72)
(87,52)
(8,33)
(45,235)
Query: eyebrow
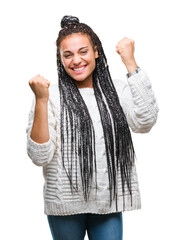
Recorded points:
(67,51)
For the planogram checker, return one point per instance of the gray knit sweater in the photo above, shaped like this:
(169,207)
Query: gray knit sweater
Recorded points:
(140,107)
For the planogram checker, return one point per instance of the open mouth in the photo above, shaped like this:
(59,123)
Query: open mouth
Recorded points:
(79,69)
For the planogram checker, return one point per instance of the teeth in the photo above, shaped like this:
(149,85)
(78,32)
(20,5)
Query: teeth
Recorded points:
(78,69)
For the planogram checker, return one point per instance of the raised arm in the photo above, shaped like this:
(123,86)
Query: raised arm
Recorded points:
(41,136)
(138,102)
(40,130)
(136,97)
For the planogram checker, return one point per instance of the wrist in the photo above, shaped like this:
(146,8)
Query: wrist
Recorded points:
(133,73)
(131,66)
(41,100)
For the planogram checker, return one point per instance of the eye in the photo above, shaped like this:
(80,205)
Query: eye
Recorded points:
(67,56)
(83,52)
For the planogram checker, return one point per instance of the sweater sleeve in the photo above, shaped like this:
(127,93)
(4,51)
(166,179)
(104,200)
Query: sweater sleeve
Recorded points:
(139,103)
(41,153)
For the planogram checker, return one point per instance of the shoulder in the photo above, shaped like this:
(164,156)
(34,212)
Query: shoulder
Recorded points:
(54,96)
(53,91)
(53,88)
(120,85)
(119,82)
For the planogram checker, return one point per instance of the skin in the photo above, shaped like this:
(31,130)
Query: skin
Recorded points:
(125,48)
(40,129)
(76,52)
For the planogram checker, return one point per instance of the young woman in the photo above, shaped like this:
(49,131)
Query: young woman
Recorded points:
(78,130)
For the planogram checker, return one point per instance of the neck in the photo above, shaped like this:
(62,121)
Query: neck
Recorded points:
(87,83)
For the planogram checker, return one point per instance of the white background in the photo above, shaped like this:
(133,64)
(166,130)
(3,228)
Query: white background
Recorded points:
(28,31)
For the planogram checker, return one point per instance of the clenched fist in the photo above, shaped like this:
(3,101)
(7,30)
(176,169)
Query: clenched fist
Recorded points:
(40,87)
(125,48)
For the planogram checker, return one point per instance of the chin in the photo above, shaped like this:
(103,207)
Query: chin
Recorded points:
(78,79)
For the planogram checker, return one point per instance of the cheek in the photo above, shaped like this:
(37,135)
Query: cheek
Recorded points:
(92,60)
(64,62)
(93,63)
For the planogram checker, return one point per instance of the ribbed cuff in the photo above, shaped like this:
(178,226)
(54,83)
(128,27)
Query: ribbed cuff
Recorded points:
(38,145)
(134,72)
(39,153)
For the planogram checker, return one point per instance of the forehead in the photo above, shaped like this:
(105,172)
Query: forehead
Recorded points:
(75,41)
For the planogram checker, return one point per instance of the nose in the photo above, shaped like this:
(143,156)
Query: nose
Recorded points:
(76,60)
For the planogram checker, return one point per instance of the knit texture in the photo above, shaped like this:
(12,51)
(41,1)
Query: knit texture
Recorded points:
(140,107)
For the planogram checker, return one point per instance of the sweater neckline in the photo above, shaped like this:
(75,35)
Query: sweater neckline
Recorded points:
(86,90)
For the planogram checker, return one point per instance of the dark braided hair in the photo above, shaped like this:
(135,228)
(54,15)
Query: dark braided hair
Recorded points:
(76,120)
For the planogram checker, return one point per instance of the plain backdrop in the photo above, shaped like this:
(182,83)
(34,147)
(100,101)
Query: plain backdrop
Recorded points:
(28,32)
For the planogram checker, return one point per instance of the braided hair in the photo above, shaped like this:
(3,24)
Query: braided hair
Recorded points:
(76,120)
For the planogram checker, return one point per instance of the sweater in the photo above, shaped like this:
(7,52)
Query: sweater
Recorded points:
(140,107)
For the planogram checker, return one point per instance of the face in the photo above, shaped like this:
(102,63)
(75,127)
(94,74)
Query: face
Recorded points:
(78,58)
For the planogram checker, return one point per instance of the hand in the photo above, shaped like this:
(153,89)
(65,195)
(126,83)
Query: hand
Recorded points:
(40,87)
(125,48)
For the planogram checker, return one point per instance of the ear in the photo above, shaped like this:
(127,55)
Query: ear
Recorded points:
(96,52)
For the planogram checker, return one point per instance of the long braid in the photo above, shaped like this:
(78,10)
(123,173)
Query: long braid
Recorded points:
(118,141)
